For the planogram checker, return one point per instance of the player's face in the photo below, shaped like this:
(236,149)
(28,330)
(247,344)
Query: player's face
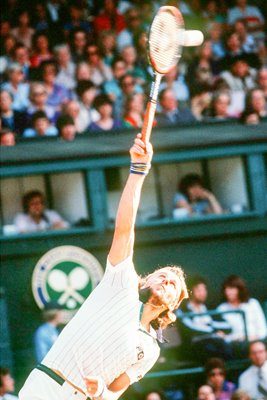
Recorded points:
(165,287)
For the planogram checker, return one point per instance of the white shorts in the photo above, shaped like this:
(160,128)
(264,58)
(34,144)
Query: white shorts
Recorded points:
(40,386)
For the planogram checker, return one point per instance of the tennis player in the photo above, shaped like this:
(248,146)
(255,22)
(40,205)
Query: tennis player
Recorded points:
(111,342)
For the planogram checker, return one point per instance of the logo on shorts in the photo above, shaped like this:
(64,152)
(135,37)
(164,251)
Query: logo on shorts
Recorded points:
(66,275)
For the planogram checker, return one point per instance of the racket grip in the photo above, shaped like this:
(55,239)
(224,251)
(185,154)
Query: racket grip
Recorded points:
(148,120)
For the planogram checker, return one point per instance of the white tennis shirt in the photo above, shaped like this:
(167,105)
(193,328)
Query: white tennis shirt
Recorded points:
(105,338)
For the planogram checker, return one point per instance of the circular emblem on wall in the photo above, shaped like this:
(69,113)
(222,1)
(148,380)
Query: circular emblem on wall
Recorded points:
(65,275)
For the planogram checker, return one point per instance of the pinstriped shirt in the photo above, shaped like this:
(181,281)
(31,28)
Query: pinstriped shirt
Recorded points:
(105,338)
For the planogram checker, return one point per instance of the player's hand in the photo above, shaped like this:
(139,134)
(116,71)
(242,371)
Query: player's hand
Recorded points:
(92,386)
(141,151)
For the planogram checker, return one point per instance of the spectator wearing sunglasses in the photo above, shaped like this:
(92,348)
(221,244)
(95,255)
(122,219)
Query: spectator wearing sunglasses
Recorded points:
(216,378)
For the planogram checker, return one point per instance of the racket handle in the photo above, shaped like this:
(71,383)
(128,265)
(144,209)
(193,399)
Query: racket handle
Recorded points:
(148,120)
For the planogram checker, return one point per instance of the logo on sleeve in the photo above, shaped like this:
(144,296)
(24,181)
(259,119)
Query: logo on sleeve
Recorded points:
(140,353)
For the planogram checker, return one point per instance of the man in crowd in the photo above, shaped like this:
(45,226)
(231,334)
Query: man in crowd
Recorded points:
(254,379)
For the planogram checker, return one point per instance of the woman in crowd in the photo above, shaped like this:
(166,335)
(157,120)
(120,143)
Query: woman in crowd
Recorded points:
(100,72)
(107,46)
(40,49)
(134,111)
(106,122)
(216,378)
(23,32)
(219,107)
(38,102)
(237,297)
(57,94)
(194,198)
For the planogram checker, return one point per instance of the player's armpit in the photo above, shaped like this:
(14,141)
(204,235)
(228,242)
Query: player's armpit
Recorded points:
(122,382)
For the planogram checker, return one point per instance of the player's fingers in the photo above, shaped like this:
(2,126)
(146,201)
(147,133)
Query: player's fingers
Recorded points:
(139,142)
(138,149)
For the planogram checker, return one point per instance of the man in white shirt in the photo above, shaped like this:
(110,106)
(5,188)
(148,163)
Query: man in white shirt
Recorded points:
(254,379)
(111,342)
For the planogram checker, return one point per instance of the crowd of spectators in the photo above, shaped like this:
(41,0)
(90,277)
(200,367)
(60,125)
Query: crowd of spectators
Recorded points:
(86,60)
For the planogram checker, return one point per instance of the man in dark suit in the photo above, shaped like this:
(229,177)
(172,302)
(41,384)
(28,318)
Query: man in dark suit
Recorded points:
(170,113)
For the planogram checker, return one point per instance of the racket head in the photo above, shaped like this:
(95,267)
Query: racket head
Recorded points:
(165,39)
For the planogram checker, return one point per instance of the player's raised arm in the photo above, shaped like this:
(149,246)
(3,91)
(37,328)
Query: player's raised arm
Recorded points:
(123,240)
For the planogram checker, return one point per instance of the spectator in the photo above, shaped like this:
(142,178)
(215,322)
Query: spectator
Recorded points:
(255,101)
(66,128)
(57,94)
(7,137)
(83,72)
(249,117)
(7,385)
(203,68)
(112,88)
(205,392)
(8,44)
(251,14)
(254,379)
(72,108)
(35,216)
(133,26)
(38,97)
(248,44)
(175,81)
(107,47)
(41,19)
(100,72)
(216,378)
(109,18)
(128,87)
(171,114)
(40,49)
(134,111)
(240,79)
(105,122)
(202,334)
(200,101)
(47,333)
(78,41)
(13,120)
(216,40)
(237,297)
(66,68)
(129,56)
(219,107)
(76,18)
(240,395)
(86,92)
(262,80)
(17,87)
(40,126)
(212,13)
(23,31)
(194,198)
(21,56)
(154,396)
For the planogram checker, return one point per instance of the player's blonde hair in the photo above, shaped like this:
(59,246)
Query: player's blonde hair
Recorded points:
(168,317)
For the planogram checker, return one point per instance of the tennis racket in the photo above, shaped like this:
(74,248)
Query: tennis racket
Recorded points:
(166,39)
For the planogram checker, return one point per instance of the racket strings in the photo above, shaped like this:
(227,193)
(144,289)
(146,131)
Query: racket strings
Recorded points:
(163,40)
